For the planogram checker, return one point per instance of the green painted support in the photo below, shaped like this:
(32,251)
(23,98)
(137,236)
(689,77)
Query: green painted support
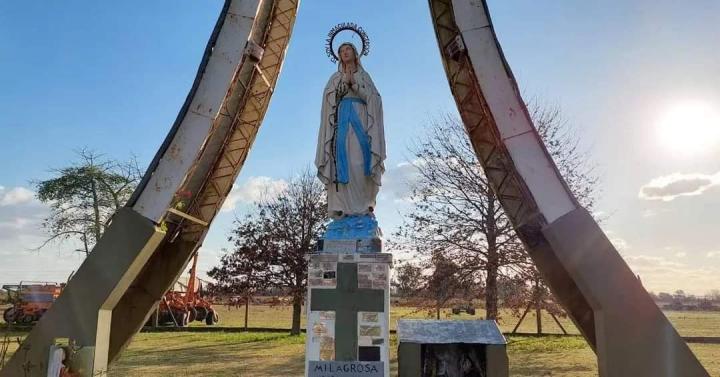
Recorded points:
(84,310)
(136,306)
(409,359)
(347,300)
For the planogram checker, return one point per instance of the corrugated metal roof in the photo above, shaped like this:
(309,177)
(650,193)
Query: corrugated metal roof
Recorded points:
(444,332)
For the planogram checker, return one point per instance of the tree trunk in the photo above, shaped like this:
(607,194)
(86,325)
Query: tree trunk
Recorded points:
(247,304)
(538,306)
(96,210)
(491,293)
(156,317)
(85,244)
(437,311)
(493,262)
(297,308)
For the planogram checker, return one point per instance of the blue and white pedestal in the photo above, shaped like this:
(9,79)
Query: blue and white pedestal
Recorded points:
(348,302)
(353,234)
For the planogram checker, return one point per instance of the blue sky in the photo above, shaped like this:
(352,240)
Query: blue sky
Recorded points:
(112,77)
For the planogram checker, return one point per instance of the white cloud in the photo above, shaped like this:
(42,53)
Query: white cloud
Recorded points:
(619,243)
(669,187)
(253,190)
(677,269)
(599,214)
(662,275)
(15,196)
(21,217)
(650,261)
(398,181)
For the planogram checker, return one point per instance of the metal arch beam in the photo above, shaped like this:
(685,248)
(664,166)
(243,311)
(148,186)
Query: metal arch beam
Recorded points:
(214,172)
(135,263)
(495,156)
(612,310)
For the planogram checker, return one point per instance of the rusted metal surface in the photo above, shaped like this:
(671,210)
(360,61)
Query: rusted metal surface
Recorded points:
(194,169)
(247,121)
(498,164)
(189,133)
(214,171)
(601,294)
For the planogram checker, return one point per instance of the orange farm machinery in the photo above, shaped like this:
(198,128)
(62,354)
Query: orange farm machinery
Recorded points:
(181,307)
(29,300)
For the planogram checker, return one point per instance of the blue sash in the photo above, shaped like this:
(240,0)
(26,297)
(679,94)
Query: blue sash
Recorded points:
(348,117)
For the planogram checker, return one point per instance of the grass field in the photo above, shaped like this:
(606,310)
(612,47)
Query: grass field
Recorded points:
(278,354)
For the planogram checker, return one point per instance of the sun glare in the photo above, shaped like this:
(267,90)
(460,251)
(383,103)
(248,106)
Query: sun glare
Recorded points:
(689,128)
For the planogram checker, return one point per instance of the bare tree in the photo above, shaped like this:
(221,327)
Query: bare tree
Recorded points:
(445,282)
(244,270)
(282,230)
(526,291)
(563,144)
(83,197)
(297,217)
(455,211)
(713,295)
(408,279)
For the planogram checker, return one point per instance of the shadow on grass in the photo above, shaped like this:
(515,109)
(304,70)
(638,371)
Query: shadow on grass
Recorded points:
(183,343)
(271,357)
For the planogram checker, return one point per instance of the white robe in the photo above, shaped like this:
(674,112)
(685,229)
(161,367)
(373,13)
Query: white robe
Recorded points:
(359,194)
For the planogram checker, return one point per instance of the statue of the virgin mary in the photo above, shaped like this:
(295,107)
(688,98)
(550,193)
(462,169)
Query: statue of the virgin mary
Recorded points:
(351,141)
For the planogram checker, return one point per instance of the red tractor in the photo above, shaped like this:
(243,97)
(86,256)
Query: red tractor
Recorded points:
(182,306)
(30,300)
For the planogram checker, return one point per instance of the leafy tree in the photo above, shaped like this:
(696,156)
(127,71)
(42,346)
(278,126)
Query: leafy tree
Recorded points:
(277,236)
(408,279)
(295,219)
(455,211)
(83,196)
(244,270)
(445,282)
(526,291)
(664,296)
(714,295)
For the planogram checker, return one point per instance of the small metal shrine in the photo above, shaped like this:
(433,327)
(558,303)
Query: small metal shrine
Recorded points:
(470,348)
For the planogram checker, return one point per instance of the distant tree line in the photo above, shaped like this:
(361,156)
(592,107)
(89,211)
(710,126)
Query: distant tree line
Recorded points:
(679,300)
(465,245)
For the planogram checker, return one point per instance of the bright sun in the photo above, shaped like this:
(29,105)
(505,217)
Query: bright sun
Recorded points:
(689,128)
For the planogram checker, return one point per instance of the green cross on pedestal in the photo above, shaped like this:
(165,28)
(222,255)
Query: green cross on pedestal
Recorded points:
(347,300)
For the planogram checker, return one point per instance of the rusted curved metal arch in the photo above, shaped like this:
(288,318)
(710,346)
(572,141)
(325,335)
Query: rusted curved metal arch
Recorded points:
(607,303)
(489,141)
(218,163)
(202,156)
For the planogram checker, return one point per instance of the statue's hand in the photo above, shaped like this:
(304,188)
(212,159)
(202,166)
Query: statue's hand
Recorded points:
(342,88)
(348,76)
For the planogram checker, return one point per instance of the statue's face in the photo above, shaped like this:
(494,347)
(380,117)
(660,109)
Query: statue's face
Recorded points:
(347,54)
